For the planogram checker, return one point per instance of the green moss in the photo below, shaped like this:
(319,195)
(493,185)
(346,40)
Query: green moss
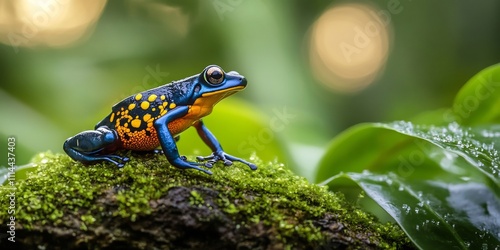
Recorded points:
(196,199)
(272,195)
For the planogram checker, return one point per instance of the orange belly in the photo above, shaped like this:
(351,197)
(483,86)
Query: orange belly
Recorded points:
(142,141)
(146,140)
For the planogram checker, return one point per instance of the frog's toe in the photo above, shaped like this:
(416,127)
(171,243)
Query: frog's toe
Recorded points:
(109,159)
(184,158)
(209,160)
(197,167)
(205,158)
(252,166)
(225,158)
(210,164)
(182,162)
(157,151)
(119,162)
(228,162)
(249,164)
(205,171)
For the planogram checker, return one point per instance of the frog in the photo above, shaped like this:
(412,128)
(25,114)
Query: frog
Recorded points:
(152,121)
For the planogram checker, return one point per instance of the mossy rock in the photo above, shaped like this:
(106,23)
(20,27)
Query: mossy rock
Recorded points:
(149,204)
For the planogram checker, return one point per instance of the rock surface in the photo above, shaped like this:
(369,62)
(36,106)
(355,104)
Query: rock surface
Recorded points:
(151,205)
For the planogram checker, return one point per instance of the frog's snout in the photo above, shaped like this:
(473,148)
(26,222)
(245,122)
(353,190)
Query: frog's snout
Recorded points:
(243,80)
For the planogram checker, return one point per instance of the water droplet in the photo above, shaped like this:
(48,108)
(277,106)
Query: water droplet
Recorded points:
(388,181)
(406,208)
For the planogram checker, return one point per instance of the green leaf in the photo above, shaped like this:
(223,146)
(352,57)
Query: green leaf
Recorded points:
(464,215)
(478,101)
(448,173)
(438,117)
(21,173)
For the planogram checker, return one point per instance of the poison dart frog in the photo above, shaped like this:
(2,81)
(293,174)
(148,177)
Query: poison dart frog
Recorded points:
(156,117)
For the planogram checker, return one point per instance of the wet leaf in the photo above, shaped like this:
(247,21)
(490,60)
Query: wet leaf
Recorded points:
(440,183)
(21,173)
(462,215)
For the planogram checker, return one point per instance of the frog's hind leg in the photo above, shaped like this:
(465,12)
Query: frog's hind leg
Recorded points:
(87,146)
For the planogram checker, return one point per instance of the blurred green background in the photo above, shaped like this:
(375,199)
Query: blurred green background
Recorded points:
(327,64)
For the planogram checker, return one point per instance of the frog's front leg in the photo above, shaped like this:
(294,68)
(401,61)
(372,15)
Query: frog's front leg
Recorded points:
(218,153)
(168,142)
(88,146)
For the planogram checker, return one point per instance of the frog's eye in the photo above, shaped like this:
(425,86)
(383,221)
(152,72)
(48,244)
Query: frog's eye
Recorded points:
(214,75)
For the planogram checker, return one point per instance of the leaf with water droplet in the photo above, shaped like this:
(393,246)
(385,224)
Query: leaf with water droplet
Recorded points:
(444,175)
(466,216)
(20,173)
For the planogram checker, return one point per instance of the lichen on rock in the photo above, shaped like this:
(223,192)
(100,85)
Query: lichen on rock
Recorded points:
(149,204)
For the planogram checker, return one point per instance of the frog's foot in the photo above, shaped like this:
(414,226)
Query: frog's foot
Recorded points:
(225,158)
(182,162)
(121,159)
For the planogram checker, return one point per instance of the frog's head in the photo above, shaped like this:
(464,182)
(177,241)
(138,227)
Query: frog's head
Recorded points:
(213,85)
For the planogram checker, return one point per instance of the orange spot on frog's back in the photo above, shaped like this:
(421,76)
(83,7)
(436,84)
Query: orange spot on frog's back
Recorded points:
(135,123)
(152,97)
(146,117)
(145,105)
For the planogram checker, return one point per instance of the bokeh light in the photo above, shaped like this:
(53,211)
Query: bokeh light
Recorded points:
(52,23)
(349,46)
